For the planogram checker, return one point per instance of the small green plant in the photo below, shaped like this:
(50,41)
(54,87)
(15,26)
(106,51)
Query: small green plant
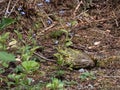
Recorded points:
(73,23)
(19,35)
(17,78)
(60,55)
(2,70)
(5,22)
(30,66)
(38,86)
(27,52)
(58,33)
(21,79)
(56,84)
(5,58)
(3,39)
(87,75)
(68,83)
(60,73)
(68,42)
(18,69)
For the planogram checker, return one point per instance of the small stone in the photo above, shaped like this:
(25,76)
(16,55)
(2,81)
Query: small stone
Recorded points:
(68,24)
(34,35)
(20,8)
(40,4)
(22,13)
(81,70)
(47,1)
(56,42)
(49,22)
(90,86)
(96,43)
(61,12)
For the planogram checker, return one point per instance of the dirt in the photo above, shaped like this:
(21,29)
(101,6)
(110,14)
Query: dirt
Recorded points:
(97,33)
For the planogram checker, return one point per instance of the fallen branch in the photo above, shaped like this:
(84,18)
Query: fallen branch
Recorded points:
(41,56)
(77,7)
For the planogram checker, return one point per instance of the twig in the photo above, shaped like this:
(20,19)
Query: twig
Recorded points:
(43,22)
(8,6)
(13,8)
(44,57)
(50,26)
(7,13)
(74,13)
(115,19)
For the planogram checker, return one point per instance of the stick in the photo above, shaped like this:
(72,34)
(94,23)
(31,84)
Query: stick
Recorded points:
(13,8)
(74,13)
(44,57)
(8,6)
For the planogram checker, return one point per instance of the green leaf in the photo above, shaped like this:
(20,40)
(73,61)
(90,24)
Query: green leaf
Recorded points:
(30,66)
(56,84)
(33,49)
(5,22)
(68,43)
(6,57)
(4,37)
(58,33)
(74,23)
(19,35)
(5,64)
(48,85)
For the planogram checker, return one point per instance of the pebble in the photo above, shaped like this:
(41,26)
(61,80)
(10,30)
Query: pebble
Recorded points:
(22,13)
(81,70)
(49,22)
(96,43)
(40,4)
(47,1)
(61,12)
(56,42)
(90,86)
(20,8)
(68,24)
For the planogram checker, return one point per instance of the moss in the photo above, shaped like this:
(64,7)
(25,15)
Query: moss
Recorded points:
(58,33)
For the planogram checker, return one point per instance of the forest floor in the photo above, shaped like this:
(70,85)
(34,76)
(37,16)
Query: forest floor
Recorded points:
(93,28)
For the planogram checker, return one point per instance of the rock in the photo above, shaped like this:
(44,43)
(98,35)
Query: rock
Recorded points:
(90,86)
(78,59)
(81,70)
